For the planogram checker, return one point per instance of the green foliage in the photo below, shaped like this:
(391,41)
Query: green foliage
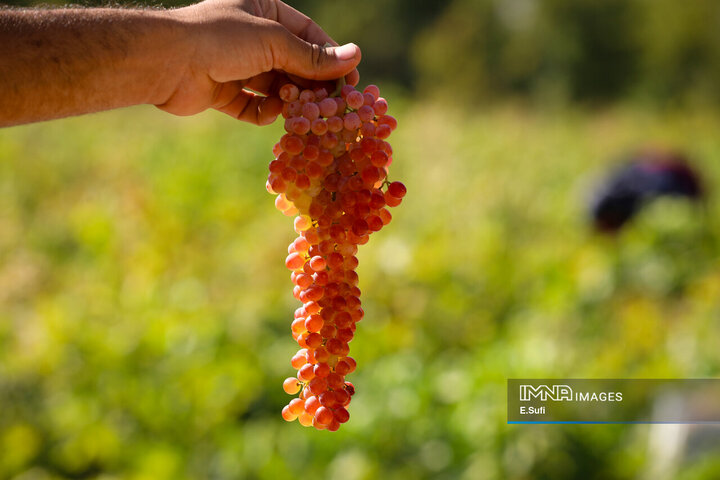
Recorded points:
(145,307)
(557,50)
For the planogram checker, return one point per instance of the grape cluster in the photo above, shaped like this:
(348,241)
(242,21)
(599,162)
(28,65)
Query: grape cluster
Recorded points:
(330,172)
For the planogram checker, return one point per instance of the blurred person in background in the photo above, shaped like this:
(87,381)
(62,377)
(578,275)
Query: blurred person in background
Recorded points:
(643,177)
(230,55)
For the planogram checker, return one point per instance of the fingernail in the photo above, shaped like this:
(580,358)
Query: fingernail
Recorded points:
(345,52)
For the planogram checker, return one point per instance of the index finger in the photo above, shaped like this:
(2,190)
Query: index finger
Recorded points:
(303,27)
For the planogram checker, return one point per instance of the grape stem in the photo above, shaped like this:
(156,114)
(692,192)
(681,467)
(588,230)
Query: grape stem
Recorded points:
(340,82)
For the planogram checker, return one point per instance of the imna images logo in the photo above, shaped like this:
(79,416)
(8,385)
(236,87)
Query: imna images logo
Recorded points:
(606,400)
(544,393)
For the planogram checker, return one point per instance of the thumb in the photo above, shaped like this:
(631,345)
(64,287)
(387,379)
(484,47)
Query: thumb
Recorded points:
(314,62)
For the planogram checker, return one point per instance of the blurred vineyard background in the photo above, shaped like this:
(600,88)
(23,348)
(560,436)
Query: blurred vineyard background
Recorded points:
(145,307)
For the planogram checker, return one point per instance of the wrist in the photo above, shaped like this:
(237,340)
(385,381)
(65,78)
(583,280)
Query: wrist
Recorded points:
(171,50)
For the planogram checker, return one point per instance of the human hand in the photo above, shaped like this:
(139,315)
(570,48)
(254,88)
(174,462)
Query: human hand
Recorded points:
(245,46)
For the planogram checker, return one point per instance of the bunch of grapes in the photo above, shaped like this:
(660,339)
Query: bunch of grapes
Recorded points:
(330,172)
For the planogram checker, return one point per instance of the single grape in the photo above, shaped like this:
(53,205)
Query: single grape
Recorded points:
(383,131)
(322,370)
(319,126)
(328,107)
(380,106)
(287,414)
(355,99)
(305,419)
(289,93)
(352,121)
(372,90)
(324,415)
(312,404)
(346,90)
(317,263)
(307,96)
(314,323)
(366,113)
(296,406)
(341,415)
(397,189)
(306,373)
(310,111)
(300,125)
(294,261)
(391,200)
(298,361)
(291,386)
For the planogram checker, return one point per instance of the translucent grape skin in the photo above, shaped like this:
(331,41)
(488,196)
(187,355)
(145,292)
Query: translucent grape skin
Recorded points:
(291,385)
(397,189)
(330,173)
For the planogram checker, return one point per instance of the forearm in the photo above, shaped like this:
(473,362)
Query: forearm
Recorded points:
(57,63)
